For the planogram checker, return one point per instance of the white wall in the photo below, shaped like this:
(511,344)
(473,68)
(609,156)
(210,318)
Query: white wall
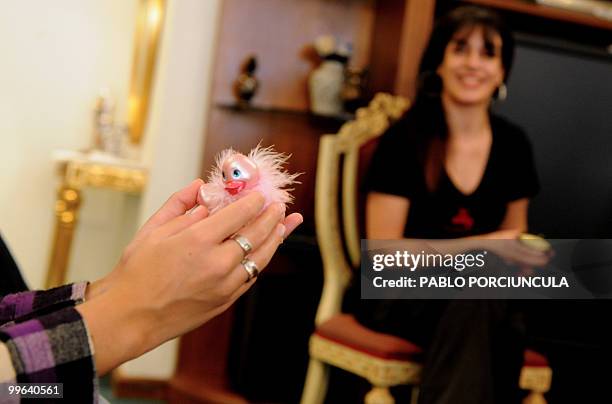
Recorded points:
(175,140)
(55,57)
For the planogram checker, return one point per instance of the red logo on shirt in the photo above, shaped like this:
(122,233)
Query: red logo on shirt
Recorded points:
(463,218)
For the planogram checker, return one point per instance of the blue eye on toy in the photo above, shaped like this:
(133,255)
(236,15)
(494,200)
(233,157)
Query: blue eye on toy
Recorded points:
(236,173)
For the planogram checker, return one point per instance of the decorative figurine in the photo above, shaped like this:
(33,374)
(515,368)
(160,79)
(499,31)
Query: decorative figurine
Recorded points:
(246,84)
(326,81)
(103,123)
(108,137)
(235,175)
(354,89)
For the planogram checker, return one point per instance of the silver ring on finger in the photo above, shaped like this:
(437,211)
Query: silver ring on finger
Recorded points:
(251,268)
(244,244)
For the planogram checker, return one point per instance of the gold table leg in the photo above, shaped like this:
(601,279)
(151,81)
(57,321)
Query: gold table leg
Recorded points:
(66,214)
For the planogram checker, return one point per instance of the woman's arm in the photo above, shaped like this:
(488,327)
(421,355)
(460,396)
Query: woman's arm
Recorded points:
(179,274)
(179,271)
(49,348)
(22,306)
(516,216)
(387,215)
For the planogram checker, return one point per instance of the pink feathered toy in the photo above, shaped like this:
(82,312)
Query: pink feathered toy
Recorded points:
(235,175)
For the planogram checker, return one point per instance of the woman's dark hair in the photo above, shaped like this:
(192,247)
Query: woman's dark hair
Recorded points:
(427,110)
(465,17)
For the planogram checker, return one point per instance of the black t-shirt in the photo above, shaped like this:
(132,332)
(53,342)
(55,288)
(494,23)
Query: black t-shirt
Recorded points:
(446,212)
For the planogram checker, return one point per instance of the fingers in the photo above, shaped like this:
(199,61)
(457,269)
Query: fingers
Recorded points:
(231,218)
(262,256)
(535,257)
(241,290)
(238,276)
(179,203)
(291,222)
(182,222)
(526,270)
(526,256)
(256,232)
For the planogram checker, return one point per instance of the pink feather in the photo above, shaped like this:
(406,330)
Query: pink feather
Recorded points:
(269,177)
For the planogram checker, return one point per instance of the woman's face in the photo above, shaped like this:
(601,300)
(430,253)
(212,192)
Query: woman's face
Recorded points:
(472,68)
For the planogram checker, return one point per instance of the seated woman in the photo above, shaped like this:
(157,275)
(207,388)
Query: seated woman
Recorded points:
(451,169)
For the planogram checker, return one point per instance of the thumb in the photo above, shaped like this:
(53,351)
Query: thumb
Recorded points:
(179,203)
(182,222)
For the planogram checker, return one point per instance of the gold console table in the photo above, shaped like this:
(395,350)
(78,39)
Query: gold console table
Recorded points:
(77,171)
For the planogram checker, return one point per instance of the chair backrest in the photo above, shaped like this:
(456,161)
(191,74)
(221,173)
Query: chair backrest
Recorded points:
(339,154)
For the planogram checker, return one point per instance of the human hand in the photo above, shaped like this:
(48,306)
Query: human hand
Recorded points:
(180,271)
(179,203)
(507,245)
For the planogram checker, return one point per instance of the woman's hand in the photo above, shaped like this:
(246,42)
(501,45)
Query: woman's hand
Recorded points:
(179,272)
(177,205)
(506,244)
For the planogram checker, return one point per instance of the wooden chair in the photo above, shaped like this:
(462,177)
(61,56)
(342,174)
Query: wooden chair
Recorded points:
(339,340)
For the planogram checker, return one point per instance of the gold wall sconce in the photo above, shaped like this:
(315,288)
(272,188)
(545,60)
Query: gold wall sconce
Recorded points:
(149,24)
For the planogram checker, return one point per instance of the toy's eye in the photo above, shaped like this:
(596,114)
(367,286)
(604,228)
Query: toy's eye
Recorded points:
(236,173)
(223,175)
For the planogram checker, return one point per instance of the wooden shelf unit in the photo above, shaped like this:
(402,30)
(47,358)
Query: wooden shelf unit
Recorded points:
(548,12)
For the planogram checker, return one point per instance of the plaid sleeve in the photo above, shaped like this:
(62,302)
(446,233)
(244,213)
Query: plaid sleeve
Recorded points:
(54,348)
(22,306)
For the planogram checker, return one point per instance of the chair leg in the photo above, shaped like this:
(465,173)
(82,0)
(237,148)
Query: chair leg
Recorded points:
(379,395)
(534,397)
(315,386)
(414,395)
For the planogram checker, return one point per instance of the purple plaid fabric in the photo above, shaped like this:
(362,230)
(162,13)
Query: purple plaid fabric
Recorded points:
(43,339)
